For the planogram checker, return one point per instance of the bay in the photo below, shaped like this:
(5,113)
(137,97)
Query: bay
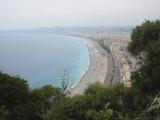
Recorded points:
(41,59)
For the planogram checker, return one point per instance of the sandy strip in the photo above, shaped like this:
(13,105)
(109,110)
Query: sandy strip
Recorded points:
(97,68)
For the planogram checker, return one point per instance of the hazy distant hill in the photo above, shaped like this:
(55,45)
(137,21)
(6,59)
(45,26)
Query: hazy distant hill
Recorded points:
(62,30)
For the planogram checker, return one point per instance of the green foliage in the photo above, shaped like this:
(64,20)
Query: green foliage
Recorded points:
(145,45)
(44,97)
(14,95)
(8,87)
(96,104)
(48,94)
(17,102)
(58,110)
(98,94)
(68,108)
(143,35)
(105,114)
(3,113)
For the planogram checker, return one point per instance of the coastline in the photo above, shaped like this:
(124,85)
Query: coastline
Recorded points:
(97,69)
(84,70)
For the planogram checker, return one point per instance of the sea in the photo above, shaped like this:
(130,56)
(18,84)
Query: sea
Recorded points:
(43,59)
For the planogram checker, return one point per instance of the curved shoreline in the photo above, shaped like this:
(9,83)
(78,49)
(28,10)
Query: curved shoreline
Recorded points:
(97,68)
(84,72)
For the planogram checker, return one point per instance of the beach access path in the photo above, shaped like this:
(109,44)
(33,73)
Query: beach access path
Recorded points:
(97,70)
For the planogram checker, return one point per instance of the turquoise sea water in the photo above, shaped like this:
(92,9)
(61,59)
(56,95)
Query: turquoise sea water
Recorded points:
(42,58)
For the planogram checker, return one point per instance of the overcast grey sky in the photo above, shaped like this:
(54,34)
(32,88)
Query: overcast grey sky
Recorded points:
(19,14)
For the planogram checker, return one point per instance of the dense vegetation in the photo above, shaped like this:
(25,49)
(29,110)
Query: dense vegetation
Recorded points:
(18,102)
(99,102)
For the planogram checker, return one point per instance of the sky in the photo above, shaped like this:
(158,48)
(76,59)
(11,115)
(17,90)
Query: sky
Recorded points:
(22,14)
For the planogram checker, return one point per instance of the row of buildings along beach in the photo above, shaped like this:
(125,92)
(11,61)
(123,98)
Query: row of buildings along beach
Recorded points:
(116,43)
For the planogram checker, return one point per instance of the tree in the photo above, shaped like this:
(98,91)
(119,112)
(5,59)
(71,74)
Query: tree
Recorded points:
(105,114)
(45,97)
(14,93)
(145,45)
(98,102)
(18,102)
(3,113)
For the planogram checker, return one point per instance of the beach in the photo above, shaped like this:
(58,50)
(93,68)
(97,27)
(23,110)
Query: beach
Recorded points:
(97,69)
